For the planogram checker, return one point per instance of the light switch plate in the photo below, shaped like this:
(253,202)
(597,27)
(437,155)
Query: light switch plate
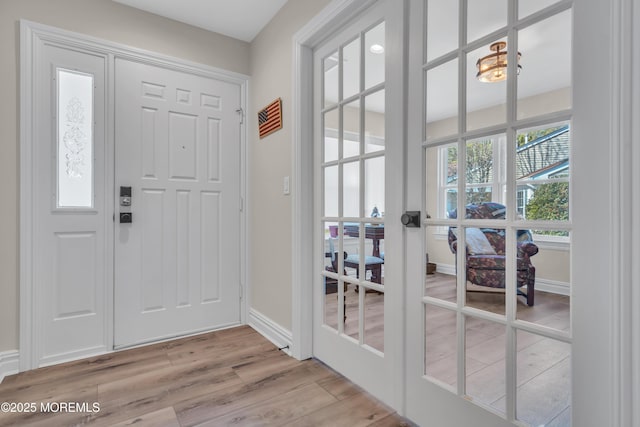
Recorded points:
(285,186)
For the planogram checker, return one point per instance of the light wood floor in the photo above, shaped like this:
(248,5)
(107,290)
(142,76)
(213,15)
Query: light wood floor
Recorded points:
(230,377)
(543,371)
(543,365)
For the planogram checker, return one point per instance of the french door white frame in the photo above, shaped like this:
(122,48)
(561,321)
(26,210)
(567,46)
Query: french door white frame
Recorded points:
(32,36)
(613,385)
(330,21)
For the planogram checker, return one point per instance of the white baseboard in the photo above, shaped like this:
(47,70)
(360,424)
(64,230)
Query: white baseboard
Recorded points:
(545,285)
(446,269)
(553,286)
(272,331)
(9,363)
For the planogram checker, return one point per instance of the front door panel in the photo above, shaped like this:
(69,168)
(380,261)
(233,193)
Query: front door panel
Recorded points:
(178,148)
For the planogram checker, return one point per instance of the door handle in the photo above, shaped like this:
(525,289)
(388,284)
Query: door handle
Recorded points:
(411,219)
(125,201)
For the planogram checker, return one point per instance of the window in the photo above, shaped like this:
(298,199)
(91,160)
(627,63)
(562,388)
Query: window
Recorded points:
(542,173)
(74,139)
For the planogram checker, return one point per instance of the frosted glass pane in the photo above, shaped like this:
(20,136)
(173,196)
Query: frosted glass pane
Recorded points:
(442,100)
(374,122)
(351,125)
(75,139)
(442,27)
(486,102)
(331,125)
(331,191)
(351,69)
(351,189)
(544,85)
(374,186)
(527,7)
(330,65)
(485,17)
(374,56)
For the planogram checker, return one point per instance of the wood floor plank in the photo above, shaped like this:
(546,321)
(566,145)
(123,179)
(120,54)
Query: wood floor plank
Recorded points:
(339,387)
(145,393)
(165,417)
(356,411)
(392,420)
(202,408)
(230,377)
(278,410)
(90,372)
(256,370)
(47,410)
(562,420)
(544,397)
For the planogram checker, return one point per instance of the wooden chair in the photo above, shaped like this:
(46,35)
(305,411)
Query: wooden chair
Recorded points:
(331,284)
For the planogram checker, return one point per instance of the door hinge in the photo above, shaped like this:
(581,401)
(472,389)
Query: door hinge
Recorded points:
(241,204)
(240,286)
(240,111)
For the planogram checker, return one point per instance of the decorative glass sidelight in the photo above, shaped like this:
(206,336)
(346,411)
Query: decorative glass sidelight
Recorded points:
(74,139)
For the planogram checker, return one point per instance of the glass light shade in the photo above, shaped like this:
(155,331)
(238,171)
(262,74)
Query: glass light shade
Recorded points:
(493,67)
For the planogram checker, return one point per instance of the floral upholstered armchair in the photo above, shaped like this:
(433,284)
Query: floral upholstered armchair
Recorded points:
(485,255)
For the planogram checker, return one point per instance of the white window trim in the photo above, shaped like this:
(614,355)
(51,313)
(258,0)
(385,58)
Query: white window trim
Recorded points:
(498,188)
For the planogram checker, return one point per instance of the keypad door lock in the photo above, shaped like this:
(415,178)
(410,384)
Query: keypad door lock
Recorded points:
(125,196)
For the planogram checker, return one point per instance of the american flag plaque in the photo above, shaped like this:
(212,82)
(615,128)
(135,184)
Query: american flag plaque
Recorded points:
(270,118)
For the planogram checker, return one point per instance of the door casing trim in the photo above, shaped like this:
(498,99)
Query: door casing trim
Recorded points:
(31,36)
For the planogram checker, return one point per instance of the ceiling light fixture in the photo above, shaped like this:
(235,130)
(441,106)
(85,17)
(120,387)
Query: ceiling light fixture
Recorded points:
(376,48)
(493,67)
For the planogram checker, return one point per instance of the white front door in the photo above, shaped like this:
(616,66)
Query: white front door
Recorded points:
(177,262)
(358,151)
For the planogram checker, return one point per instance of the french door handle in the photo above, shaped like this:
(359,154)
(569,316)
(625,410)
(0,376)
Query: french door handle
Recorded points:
(411,219)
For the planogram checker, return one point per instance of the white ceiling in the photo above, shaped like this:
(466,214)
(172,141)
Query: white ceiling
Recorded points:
(545,47)
(240,19)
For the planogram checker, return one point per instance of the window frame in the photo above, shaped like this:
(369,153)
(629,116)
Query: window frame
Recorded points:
(498,184)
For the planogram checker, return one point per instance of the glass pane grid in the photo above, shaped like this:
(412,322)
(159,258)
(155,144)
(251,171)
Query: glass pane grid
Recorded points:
(441,346)
(485,362)
(486,112)
(543,394)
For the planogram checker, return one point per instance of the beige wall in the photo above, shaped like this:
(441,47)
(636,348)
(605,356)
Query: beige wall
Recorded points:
(537,105)
(99,18)
(373,122)
(270,160)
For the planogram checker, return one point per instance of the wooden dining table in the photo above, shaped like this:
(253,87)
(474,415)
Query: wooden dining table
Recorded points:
(375,232)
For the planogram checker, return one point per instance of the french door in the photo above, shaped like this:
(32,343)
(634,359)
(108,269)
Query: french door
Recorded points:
(491,156)
(358,152)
